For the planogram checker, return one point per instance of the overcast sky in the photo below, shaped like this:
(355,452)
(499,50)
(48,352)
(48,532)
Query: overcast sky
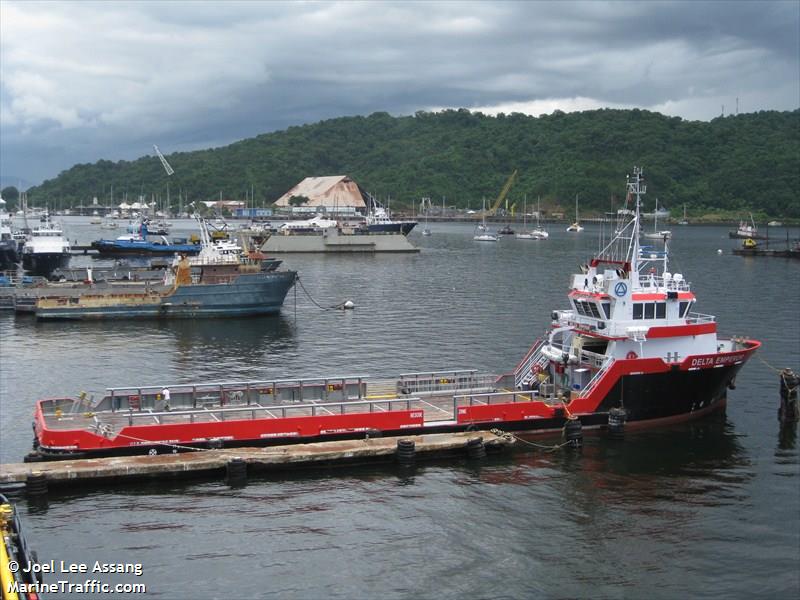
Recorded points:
(85,80)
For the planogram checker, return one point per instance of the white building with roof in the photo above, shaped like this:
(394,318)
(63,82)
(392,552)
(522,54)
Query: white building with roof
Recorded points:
(337,194)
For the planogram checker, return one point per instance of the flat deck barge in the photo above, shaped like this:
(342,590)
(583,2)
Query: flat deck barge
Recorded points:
(120,468)
(340,240)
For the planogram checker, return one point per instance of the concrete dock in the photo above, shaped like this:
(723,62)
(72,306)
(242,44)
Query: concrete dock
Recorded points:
(120,468)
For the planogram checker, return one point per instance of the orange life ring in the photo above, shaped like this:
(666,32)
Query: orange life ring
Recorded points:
(631,355)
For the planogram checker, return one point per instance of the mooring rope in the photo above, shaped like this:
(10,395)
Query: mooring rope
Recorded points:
(781,372)
(317,304)
(508,435)
(234,452)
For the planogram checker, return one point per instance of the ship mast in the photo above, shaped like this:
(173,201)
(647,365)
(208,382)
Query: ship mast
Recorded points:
(635,189)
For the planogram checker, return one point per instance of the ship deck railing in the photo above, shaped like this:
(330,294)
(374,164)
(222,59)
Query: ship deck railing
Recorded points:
(502,397)
(694,318)
(657,282)
(586,358)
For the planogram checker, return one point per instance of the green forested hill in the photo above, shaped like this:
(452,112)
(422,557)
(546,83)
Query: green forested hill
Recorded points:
(736,163)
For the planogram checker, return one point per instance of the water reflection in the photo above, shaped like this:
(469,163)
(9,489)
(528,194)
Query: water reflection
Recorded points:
(241,343)
(695,458)
(787,436)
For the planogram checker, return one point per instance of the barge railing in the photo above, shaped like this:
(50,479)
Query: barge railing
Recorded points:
(497,398)
(273,411)
(436,382)
(234,392)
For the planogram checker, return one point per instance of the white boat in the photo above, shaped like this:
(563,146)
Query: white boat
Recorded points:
(46,248)
(537,233)
(426,230)
(683,221)
(576,227)
(8,245)
(313,225)
(256,228)
(657,234)
(774,224)
(482,233)
(747,230)
(109,224)
(159,227)
(485,237)
(222,251)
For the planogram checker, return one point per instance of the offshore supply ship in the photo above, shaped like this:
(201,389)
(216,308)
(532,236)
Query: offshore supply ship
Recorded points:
(220,281)
(629,347)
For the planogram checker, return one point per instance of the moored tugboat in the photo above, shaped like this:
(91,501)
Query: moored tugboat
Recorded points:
(628,349)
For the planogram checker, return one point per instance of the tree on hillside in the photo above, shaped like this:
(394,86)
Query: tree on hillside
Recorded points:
(299,200)
(11,195)
(712,167)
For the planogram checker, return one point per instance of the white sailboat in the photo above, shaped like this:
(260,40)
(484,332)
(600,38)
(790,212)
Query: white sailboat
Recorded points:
(482,233)
(426,230)
(664,234)
(683,221)
(576,227)
(537,233)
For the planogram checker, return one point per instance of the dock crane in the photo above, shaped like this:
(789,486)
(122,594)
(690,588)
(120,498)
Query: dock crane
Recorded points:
(503,193)
(164,162)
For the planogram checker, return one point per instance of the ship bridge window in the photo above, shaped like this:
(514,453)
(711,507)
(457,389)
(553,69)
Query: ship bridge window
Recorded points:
(587,309)
(592,306)
(683,308)
(606,309)
(649,310)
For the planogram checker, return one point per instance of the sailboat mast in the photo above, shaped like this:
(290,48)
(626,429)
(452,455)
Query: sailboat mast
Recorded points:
(538,211)
(525,212)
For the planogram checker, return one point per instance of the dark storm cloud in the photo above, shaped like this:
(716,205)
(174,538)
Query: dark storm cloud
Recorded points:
(83,81)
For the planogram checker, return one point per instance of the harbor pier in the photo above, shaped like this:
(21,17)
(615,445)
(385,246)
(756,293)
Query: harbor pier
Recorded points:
(81,472)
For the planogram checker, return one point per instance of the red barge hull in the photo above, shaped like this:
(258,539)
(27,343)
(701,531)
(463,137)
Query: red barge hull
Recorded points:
(137,420)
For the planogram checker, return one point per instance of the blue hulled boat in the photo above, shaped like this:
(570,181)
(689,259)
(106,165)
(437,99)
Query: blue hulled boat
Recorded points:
(378,220)
(137,242)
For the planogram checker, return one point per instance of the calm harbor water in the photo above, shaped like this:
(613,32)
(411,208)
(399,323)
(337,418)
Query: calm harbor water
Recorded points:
(708,509)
